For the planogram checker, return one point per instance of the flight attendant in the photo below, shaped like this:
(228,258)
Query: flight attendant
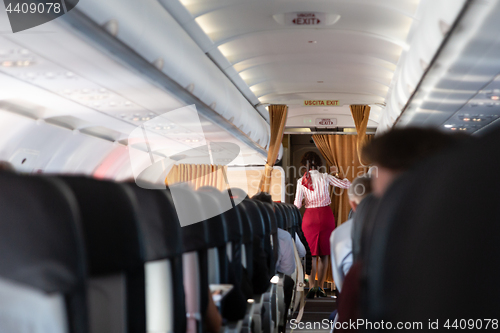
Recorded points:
(318,221)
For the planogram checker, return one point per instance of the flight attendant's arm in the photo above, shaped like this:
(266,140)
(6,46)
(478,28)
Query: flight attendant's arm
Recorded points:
(299,195)
(337,182)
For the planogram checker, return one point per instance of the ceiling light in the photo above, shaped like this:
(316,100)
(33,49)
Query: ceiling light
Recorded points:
(495,97)
(448,126)
(466,119)
(127,103)
(7,63)
(453,128)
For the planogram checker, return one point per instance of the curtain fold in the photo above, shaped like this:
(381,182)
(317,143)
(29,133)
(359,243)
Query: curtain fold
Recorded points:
(277,116)
(360,115)
(198,175)
(340,151)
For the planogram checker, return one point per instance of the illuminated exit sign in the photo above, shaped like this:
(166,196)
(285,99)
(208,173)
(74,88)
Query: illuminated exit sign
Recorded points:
(321,103)
(326,121)
(305,19)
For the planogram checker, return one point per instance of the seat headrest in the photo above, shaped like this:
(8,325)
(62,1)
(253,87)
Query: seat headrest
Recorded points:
(110,221)
(40,236)
(188,206)
(255,217)
(216,227)
(246,225)
(271,217)
(280,220)
(159,221)
(231,215)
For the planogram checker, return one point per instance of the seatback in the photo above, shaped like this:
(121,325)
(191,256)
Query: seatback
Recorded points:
(194,259)
(437,227)
(266,222)
(234,226)
(297,219)
(280,218)
(289,218)
(42,269)
(165,308)
(247,239)
(217,238)
(116,254)
(271,217)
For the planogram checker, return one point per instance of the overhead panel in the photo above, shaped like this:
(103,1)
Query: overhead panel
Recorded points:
(290,51)
(461,90)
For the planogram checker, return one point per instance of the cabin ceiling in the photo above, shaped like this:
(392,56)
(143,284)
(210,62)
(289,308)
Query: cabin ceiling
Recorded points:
(352,60)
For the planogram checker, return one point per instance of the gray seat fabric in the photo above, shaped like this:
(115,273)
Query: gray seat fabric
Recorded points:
(42,270)
(116,254)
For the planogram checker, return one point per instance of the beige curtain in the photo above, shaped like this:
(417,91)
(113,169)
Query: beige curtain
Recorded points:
(361,115)
(340,151)
(277,116)
(198,175)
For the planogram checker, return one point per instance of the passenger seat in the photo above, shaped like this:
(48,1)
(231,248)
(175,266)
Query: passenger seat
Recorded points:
(42,270)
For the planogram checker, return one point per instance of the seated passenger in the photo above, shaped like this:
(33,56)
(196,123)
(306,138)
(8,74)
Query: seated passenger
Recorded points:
(341,244)
(392,154)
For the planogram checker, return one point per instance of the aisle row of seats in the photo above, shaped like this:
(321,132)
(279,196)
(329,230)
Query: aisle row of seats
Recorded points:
(83,255)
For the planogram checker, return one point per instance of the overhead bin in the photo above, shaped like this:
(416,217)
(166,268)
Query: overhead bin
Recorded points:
(147,28)
(430,28)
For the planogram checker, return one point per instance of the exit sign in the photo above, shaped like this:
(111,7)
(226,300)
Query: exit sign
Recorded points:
(326,121)
(305,19)
(321,103)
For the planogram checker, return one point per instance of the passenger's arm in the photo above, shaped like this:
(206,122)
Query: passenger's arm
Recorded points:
(299,195)
(337,182)
(286,253)
(300,247)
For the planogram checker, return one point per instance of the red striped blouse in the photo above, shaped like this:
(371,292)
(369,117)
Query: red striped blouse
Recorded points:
(320,197)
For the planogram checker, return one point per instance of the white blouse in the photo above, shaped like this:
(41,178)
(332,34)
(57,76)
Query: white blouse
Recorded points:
(320,197)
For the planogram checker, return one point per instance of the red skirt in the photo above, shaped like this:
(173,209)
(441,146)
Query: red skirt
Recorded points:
(318,224)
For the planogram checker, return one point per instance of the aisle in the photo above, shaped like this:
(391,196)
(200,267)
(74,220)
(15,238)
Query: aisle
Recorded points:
(315,312)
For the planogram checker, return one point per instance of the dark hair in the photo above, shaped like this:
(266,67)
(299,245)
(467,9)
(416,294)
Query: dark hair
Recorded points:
(6,166)
(311,160)
(264,197)
(360,188)
(400,149)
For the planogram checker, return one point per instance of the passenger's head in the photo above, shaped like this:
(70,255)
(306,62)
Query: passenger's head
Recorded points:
(311,161)
(264,197)
(396,151)
(6,166)
(359,189)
